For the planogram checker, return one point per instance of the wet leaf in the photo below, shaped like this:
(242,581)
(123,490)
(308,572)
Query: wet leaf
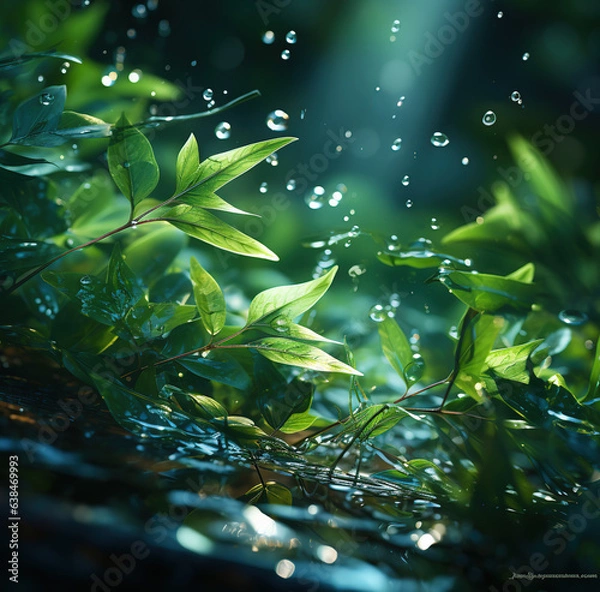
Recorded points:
(294,353)
(131,162)
(395,346)
(512,362)
(288,302)
(188,161)
(209,298)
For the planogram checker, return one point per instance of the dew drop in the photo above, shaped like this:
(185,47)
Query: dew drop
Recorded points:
(465,161)
(278,120)
(291,37)
(440,140)
(223,130)
(207,95)
(86,280)
(397,144)
(264,187)
(315,200)
(285,54)
(405,180)
(46,99)
(414,371)
(377,314)
(268,37)
(489,118)
(395,26)
(525,56)
(572,317)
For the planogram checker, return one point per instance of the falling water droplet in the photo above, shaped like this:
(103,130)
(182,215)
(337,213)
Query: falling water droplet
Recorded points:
(434,224)
(489,118)
(207,95)
(272,159)
(268,37)
(46,99)
(440,140)
(291,37)
(572,317)
(395,26)
(397,144)
(278,120)
(401,101)
(405,180)
(525,56)
(315,200)
(264,187)
(285,54)
(414,371)
(223,130)
(500,14)
(291,185)
(515,96)
(409,203)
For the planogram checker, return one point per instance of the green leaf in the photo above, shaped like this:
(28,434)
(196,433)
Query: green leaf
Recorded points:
(150,320)
(81,126)
(270,493)
(488,293)
(288,302)
(477,336)
(131,162)
(373,421)
(17,160)
(188,161)
(12,62)
(220,169)
(277,399)
(419,259)
(21,254)
(512,362)
(396,347)
(209,298)
(199,198)
(218,365)
(526,273)
(39,115)
(293,353)
(204,226)
(195,404)
(281,327)
(593,390)
(297,422)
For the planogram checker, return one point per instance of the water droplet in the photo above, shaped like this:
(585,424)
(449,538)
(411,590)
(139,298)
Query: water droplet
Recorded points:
(139,11)
(356,270)
(405,180)
(268,37)
(395,300)
(278,120)
(285,54)
(85,280)
(525,56)
(414,371)
(134,76)
(110,77)
(291,185)
(264,187)
(434,224)
(440,140)
(273,159)
(500,14)
(397,144)
(164,28)
(207,95)
(515,96)
(315,200)
(302,113)
(395,26)
(291,37)
(489,118)
(409,203)
(572,317)
(194,63)
(223,130)
(46,99)
(126,164)
(377,314)
(465,161)
(400,101)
